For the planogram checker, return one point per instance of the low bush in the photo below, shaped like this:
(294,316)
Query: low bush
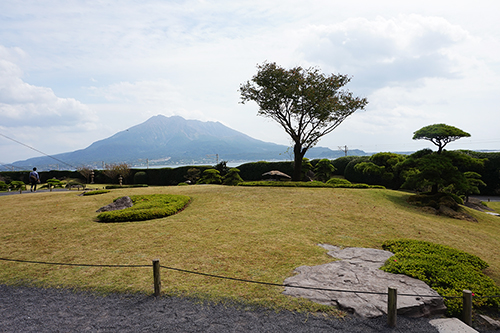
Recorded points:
(435,200)
(74,183)
(17,185)
(232,177)
(53,183)
(114,187)
(210,176)
(3,186)
(338,181)
(140,177)
(307,184)
(96,192)
(147,207)
(444,269)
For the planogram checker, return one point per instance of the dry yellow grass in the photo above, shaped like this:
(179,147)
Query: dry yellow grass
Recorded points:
(243,232)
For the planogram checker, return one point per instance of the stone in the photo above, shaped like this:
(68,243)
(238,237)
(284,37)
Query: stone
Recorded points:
(487,323)
(120,203)
(358,270)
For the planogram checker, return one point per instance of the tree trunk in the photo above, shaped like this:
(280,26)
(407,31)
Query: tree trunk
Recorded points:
(434,189)
(297,165)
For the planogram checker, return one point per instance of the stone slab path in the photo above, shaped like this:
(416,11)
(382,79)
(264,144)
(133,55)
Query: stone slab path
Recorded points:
(358,270)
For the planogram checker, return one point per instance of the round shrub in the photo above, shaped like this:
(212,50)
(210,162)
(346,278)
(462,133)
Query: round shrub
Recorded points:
(140,177)
(338,181)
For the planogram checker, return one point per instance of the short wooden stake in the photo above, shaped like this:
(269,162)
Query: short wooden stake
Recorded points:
(392,307)
(156,276)
(467,298)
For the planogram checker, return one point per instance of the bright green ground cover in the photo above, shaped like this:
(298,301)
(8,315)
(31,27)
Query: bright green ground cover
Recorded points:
(446,270)
(147,207)
(244,232)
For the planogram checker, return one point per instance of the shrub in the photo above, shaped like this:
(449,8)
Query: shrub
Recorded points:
(324,170)
(193,174)
(147,207)
(307,184)
(113,187)
(54,183)
(140,177)
(341,163)
(17,185)
(72,182)
(253,171)
(232,177)
(446,270)
(338,181)
(3,186)
(96,192)
(210,176)
(435,200)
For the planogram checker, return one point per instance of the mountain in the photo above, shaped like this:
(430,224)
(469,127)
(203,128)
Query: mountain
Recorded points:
(174,140)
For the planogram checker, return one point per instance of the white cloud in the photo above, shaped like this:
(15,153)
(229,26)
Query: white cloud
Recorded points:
(23,104)
(384,51)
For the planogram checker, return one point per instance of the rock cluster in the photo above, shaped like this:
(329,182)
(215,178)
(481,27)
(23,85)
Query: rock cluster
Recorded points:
(358,271)
(120,203)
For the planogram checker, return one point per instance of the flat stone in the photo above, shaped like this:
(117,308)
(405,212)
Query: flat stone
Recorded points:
(358,271)
(451,325)
(120,203)
(489,323)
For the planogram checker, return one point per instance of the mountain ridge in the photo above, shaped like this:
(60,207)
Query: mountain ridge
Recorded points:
(173,141)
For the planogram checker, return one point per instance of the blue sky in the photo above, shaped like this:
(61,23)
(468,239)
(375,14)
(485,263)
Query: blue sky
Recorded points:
(73,72)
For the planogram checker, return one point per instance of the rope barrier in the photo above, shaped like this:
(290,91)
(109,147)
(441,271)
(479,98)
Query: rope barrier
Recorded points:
(67,264)
(231,278)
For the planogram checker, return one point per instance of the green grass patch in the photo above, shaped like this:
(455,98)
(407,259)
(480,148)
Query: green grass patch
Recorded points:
(147,207)
(447,270)
(95,192)
(340,184)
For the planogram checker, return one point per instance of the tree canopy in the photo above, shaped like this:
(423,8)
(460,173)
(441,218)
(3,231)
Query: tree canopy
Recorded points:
(440,135)
(305,102)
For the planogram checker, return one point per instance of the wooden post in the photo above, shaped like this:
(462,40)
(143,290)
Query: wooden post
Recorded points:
(392,307)
(156,276)
(467,298)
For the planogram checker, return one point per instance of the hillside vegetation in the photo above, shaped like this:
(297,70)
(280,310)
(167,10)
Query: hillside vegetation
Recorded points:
(244,232)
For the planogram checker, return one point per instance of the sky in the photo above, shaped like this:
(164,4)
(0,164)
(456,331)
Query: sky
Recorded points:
(73,72)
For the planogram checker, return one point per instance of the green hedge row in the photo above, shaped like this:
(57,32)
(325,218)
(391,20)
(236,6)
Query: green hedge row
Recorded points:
(307,184)
(96,192)
(444,269)
(147,207)
(114,187)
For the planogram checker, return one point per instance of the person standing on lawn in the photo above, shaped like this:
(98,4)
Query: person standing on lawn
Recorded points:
(34,179)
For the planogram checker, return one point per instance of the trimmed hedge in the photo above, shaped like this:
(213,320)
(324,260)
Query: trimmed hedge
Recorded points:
(307,184)
(114,187)
(444,269)
(147,207)
(96,192)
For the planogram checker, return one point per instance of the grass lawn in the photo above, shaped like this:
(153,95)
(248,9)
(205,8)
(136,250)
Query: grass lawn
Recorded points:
(243,232)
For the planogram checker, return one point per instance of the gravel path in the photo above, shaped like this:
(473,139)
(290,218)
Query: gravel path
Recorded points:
(27,309)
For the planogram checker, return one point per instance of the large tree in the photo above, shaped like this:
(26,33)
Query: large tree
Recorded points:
(305,102)
(440,135)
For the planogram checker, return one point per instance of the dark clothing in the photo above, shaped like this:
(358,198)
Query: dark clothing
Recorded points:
(34,179)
